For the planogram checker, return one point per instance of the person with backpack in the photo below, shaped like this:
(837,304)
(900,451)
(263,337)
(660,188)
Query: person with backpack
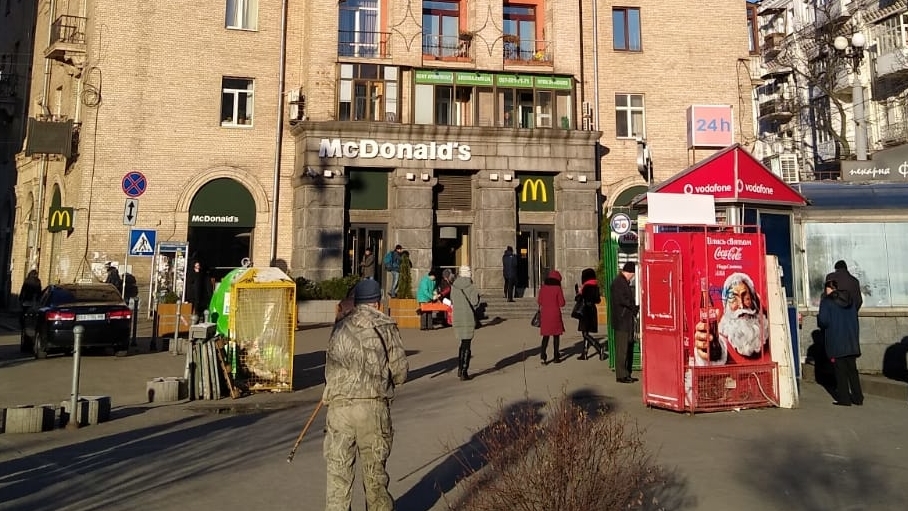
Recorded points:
(391,263)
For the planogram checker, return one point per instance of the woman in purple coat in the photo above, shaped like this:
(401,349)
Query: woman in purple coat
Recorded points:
(551,300)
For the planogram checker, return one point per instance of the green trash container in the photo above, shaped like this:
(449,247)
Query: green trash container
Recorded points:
(220,302)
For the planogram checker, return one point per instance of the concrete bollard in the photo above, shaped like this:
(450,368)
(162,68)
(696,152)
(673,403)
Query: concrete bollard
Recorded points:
(29,419)
(162,390)
(90,410)
(78,331)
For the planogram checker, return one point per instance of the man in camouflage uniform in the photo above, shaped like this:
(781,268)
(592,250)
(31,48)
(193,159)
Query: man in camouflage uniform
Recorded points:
(364,361)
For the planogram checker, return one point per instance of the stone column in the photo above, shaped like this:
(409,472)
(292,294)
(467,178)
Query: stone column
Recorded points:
(318,226)
(412,221)
(494,227)
(576,227)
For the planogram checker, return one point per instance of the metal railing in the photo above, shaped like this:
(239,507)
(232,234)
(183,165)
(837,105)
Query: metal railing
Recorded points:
(369,45)
(528,51)
(447,47)
(68,29)
(894,133)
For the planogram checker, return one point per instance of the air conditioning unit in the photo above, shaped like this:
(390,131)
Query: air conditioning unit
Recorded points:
(297,106)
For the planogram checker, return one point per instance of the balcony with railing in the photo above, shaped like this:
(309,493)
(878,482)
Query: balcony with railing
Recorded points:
(833,11)
(775,108)
(450,48)
(894,134)
(527,52)
(67,40)
(366,45)
(892,47)
(772,45)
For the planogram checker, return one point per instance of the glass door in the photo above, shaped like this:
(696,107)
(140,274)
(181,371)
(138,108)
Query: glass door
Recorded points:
(535,258)
(359,238)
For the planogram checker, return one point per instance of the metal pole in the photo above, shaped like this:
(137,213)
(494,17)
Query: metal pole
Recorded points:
(135,319)
(78,330)
(595,13)
(860,133)
(279,133)
(176,330)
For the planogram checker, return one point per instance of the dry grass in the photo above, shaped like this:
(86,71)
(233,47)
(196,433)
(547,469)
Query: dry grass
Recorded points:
(571,459)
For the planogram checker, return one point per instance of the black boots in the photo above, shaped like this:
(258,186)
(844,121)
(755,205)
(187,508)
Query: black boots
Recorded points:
(555,344)
(589,340)
(463,364)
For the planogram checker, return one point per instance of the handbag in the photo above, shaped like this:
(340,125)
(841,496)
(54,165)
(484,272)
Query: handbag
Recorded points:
(577,311)
(535,321)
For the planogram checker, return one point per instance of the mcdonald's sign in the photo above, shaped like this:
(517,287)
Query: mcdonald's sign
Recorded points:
(59,219)
(534,193)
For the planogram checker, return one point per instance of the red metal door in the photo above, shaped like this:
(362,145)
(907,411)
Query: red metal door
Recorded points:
(662,341)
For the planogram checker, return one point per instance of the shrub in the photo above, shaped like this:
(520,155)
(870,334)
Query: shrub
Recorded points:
(331,289)
(571,460)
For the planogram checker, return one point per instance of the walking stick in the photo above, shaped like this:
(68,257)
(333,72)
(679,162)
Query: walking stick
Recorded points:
(299,439)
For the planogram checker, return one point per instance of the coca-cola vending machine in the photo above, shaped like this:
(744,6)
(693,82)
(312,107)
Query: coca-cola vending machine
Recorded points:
(705,328)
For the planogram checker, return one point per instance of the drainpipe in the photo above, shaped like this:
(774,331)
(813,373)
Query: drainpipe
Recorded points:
(279,133)
(42,172)
(595,13)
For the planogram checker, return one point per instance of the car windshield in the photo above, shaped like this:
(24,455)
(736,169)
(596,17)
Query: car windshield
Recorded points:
(71,295)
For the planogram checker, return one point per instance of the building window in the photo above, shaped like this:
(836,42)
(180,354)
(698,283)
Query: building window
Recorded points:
(892,34)
(753,30)
(629,116)
(368,92)
(822,119)
(519,28)
(441,29)
(454,105)
(236,101)
(242,14)
(359,32)
(626,28)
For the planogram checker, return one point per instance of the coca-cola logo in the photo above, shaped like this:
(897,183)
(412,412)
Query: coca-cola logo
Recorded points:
(728,254)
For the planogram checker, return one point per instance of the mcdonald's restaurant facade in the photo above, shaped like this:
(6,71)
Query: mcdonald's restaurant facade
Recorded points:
(449,195)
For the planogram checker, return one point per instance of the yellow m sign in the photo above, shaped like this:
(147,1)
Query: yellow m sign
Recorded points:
(60,219)
(538,188)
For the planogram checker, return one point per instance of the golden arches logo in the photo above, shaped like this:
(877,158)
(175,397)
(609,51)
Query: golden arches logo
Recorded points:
(61,219)
(536,185)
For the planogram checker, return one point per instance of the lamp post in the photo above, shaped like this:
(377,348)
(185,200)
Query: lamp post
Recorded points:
(854,49)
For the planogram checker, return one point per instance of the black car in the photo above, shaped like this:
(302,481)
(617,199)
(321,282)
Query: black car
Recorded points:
(99,308)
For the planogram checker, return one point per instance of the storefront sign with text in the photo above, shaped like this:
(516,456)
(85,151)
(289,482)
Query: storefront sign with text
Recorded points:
(368,148)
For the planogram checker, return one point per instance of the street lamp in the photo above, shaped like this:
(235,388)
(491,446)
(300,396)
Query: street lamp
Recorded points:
(854,49)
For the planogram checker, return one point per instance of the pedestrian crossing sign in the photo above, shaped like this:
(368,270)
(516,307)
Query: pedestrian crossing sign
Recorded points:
(142,242)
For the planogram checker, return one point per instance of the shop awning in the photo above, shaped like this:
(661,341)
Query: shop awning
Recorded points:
(222,202)
(843,195)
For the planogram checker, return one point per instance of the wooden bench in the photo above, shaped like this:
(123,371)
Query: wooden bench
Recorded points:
(427,310)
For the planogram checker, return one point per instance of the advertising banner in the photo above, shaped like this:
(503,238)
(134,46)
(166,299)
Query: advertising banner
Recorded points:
(724,286)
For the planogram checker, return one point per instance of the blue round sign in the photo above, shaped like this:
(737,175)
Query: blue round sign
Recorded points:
(134,184)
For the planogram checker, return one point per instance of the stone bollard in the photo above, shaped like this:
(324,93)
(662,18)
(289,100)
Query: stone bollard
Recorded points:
(162,390)
(90,410)
(29,419)
(77,420)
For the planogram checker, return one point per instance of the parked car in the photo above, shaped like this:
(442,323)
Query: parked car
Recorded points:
(99,308)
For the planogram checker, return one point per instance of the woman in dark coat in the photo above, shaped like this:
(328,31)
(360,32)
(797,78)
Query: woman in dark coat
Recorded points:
(838,317)
(588,294)
(198,289)
(551,300)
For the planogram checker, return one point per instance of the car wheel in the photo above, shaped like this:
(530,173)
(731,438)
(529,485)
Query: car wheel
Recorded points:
(39,346)
(121,351)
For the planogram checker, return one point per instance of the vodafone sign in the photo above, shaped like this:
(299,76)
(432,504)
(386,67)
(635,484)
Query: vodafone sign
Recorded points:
(733,175)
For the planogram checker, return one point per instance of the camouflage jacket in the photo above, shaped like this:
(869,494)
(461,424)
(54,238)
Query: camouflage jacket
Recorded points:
(358,365)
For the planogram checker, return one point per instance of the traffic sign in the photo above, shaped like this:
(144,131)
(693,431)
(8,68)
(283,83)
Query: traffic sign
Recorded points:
(134,184)
(142,242)
(130,211)
(621,223)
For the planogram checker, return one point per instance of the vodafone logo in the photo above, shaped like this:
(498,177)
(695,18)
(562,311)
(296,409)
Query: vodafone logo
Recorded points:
(707,188)
(757,188)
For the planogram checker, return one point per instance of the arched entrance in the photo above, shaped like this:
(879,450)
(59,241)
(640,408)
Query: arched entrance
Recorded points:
(221,225)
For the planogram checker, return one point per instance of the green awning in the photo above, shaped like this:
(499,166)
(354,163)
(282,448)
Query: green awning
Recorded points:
(222,202)
(622,203)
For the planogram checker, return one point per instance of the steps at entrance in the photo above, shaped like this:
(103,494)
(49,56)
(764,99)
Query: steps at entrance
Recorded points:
(500,307)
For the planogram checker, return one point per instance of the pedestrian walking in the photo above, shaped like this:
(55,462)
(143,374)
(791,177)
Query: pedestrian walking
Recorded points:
(113,276)
(364,362)
(367,265)
(588,323)
(551,324)
(29,294)
(622,312)
(509,272)
(838,319)
(391,263)
(465,298)
(198,289)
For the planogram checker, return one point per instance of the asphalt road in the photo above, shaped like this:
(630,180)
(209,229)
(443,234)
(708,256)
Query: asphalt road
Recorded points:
(182,456)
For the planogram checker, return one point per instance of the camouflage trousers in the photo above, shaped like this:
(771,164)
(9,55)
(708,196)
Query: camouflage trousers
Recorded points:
(358,428)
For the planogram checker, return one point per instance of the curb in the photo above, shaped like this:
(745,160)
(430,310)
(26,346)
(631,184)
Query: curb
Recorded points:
(870,384)
(238,407)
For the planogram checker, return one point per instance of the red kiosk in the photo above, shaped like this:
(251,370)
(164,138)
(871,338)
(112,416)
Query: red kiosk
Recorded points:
(705,329)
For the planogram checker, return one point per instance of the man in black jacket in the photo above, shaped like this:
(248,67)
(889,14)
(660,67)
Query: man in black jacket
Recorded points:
(847,282)
(622,311)
(509,272)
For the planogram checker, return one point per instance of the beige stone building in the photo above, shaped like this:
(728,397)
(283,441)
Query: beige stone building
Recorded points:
(452,127)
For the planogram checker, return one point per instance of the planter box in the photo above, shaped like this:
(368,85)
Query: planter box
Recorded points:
(403,311)
(316,311)
(167,317)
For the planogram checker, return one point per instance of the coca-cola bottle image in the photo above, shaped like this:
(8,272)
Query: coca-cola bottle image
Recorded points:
(710,316)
